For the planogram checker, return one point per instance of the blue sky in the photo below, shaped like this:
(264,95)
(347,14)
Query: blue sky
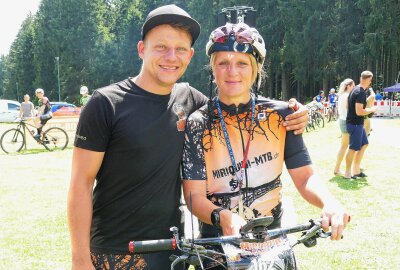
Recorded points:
(12,14)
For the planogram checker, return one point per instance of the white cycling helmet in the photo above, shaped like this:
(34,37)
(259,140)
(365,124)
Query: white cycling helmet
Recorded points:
(84,90)
(238,38)
(39,90)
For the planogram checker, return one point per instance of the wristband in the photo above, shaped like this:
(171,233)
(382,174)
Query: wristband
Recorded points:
(215,218)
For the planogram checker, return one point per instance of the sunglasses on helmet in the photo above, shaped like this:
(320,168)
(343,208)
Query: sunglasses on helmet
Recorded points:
(241,34)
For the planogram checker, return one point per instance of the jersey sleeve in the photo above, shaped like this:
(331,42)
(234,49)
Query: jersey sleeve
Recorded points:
(95,124)
(194,167)
(199,98)
(296,153)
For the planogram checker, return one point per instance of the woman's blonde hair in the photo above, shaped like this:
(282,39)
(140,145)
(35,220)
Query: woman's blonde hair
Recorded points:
(344,84)
(253,61)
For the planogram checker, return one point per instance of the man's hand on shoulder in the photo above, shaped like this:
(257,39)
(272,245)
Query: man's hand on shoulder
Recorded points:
(298,120)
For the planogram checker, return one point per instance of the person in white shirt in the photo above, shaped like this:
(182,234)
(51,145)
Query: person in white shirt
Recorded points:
(344,90)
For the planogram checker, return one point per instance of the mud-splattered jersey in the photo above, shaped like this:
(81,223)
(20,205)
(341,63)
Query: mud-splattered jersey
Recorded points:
(206,155)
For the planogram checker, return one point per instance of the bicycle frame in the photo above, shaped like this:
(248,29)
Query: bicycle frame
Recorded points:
(23,126)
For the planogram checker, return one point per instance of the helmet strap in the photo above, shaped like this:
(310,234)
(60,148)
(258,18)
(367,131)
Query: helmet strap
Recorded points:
(210,84)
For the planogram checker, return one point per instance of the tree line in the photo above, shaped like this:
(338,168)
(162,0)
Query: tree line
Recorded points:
(311,45)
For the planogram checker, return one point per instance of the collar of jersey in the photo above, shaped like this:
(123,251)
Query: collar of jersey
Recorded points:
(231,109)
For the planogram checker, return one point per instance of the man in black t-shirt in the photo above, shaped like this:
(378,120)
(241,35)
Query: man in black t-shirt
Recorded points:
(130,140)
(357,102)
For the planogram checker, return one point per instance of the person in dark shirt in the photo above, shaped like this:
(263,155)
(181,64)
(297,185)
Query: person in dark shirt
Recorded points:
(44,112)
(357,103)
(128,146)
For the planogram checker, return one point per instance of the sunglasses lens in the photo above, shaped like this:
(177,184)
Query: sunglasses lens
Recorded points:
(219,36)
(245,36)
(242,35)
(221,39)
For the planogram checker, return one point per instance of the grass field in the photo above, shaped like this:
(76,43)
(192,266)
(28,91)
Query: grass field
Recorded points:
(34,234)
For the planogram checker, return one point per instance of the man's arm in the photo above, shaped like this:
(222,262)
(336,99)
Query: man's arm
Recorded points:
(360,111)
(85,165)
(298,120)
(314,191)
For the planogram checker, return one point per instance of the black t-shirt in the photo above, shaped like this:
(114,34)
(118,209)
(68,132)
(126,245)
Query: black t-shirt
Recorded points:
(137,191)
(358,95)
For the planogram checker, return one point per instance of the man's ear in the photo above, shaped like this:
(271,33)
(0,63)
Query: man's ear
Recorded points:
(140,48)
(191,53)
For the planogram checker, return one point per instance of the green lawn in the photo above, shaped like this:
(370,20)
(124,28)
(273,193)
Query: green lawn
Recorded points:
(34,234)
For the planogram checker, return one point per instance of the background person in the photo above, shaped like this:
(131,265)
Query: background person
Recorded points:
(358,141)
(27,108)
(129,142)
(84,91)
(44,112)
(378,96)
(320,98)
(370,103)
(332,98)
(344,90)
(319,101)
(235,128)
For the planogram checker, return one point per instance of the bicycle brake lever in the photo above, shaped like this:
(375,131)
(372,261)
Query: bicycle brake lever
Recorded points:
(323,234)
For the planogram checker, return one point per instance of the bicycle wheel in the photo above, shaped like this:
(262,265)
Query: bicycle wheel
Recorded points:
(55,139)
(330,115)
(319,120)
(12,141)
(335,115)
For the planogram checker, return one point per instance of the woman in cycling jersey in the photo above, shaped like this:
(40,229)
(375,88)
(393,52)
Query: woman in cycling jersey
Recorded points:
(236,145)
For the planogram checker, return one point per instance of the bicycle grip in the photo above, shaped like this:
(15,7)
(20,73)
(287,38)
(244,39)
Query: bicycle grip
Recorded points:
(152,245)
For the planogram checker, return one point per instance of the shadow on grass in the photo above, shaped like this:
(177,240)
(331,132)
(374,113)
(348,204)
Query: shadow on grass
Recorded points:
(349,184)
(34,151)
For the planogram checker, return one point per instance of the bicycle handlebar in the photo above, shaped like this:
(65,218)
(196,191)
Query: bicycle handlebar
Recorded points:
(310,229)
(152,245)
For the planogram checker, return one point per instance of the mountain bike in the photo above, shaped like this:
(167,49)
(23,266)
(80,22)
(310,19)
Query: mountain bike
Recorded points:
(316,119)
(255,248)
(13,140)
(310,123)
(331,113)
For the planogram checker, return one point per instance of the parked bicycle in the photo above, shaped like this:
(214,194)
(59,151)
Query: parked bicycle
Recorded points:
(316,119)
(255,248)
(331,113)
(13,140)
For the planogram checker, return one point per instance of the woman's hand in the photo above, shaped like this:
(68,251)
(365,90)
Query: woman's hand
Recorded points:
(337,218)
(230,222)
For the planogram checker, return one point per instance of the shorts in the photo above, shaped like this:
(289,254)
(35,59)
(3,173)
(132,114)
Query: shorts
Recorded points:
(358,137)
(342,126)
(150,261)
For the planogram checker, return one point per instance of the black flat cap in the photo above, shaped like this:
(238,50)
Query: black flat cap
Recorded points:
(171,14)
